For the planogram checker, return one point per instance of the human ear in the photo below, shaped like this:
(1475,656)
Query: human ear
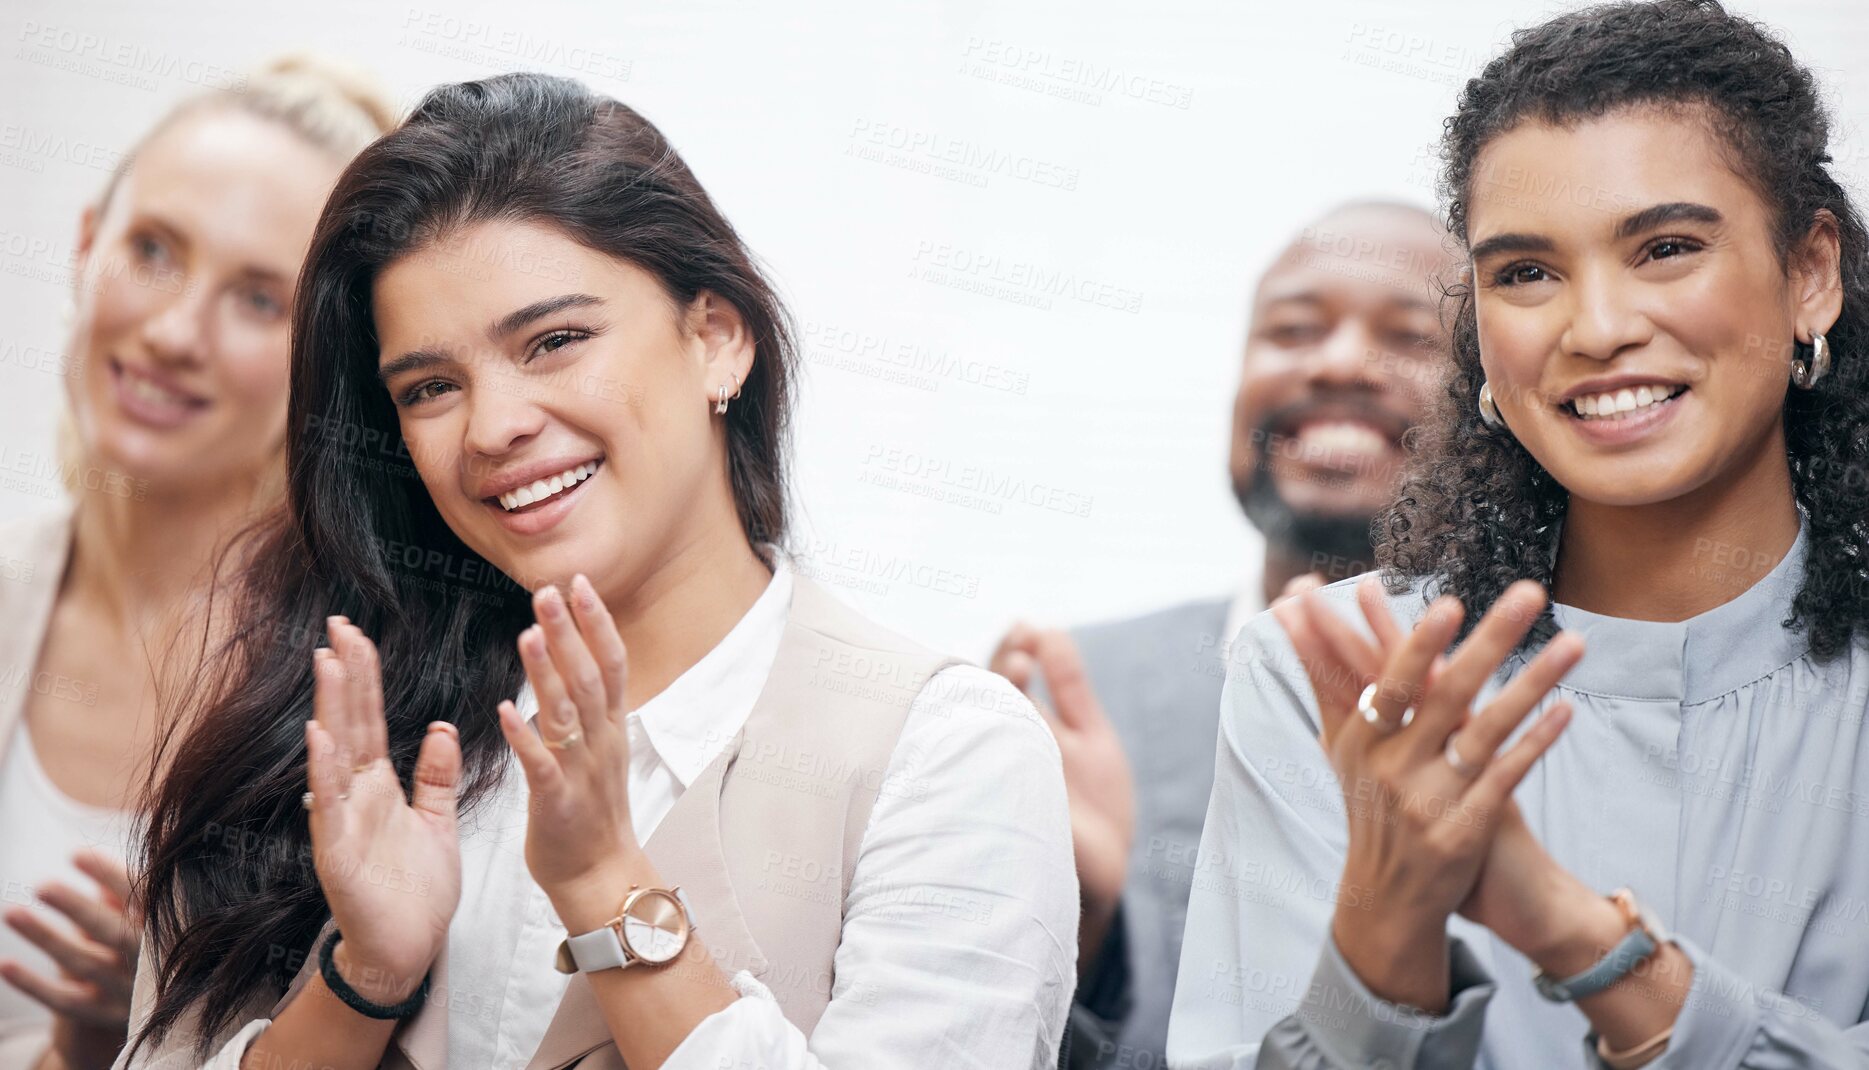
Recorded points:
(725,344)
(87,243)
(1815,265)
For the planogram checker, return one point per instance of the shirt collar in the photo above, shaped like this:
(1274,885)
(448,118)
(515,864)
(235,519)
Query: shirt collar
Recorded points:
(694,717)
(706,706)
(1706,655)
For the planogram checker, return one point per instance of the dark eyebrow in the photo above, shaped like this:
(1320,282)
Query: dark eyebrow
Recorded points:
(507,324)
(1672,212)
(514,320)
(410,361)
(1646,219)
(1510,243)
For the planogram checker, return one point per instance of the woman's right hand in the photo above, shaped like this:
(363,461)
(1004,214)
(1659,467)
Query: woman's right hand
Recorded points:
(390,866)
(96,960)
(1420,830)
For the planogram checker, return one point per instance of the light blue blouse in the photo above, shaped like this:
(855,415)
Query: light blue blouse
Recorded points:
(1712,765)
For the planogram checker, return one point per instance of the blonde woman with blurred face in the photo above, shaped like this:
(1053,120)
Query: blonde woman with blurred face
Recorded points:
(185,271)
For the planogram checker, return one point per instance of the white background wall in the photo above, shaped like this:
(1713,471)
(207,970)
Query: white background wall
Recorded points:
(1249,120)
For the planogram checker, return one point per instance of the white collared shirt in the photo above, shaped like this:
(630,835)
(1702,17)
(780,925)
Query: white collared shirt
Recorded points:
(986,987)
(503,975)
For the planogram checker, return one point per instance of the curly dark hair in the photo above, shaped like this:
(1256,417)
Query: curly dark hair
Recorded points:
(1476,511)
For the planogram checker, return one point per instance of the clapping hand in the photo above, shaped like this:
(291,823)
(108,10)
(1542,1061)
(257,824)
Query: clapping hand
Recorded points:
(1427,788)
(389,863)
(579,838)
(96,960)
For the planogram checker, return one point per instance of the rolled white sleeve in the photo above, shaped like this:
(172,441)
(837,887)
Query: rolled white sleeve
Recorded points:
(959,947)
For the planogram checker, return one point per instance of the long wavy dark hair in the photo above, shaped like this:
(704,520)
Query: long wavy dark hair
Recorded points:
(233,901)
(1476,511)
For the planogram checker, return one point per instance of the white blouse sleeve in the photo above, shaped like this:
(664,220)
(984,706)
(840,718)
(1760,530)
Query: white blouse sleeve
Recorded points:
(959,946)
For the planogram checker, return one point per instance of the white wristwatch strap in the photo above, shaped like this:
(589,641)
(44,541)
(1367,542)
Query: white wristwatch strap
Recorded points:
(602,949)
(598,949)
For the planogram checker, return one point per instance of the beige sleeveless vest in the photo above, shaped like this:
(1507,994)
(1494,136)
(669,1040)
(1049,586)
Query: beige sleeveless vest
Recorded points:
(762,843)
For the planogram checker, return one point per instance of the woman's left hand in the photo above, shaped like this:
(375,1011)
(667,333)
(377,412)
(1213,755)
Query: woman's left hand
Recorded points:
(1529,900)
(580,844)
(1523,894)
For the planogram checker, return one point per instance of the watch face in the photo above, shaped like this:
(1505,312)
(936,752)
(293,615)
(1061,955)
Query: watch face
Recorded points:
(655,928)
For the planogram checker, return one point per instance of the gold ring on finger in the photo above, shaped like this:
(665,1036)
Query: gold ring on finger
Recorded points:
(1452,754)
(571,740)
(1365,705)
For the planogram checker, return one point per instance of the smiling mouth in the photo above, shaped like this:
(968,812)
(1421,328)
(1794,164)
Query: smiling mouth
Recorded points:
(1622,404)
(152,396)
(541,491)
(1335,442)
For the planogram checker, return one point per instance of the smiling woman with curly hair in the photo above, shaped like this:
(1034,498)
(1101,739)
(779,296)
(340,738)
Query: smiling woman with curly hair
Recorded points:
(1479,510)
(1640,514)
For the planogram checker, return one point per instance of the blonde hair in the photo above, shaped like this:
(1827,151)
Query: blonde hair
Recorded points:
(331,104)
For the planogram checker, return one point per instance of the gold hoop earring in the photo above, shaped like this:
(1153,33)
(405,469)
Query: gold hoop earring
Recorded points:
(1806,376)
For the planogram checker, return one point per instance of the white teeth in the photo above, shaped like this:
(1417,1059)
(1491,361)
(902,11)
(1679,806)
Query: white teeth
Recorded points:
(1340,439)
(541,489)
(1615,403)
(145,390)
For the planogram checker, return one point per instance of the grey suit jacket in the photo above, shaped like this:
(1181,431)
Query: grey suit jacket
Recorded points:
(1159,677)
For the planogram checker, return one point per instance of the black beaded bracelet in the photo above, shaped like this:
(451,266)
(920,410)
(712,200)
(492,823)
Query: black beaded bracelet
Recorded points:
(342,990)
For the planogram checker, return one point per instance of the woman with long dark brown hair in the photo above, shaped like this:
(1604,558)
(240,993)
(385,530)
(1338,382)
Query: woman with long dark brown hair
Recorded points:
(699,813)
